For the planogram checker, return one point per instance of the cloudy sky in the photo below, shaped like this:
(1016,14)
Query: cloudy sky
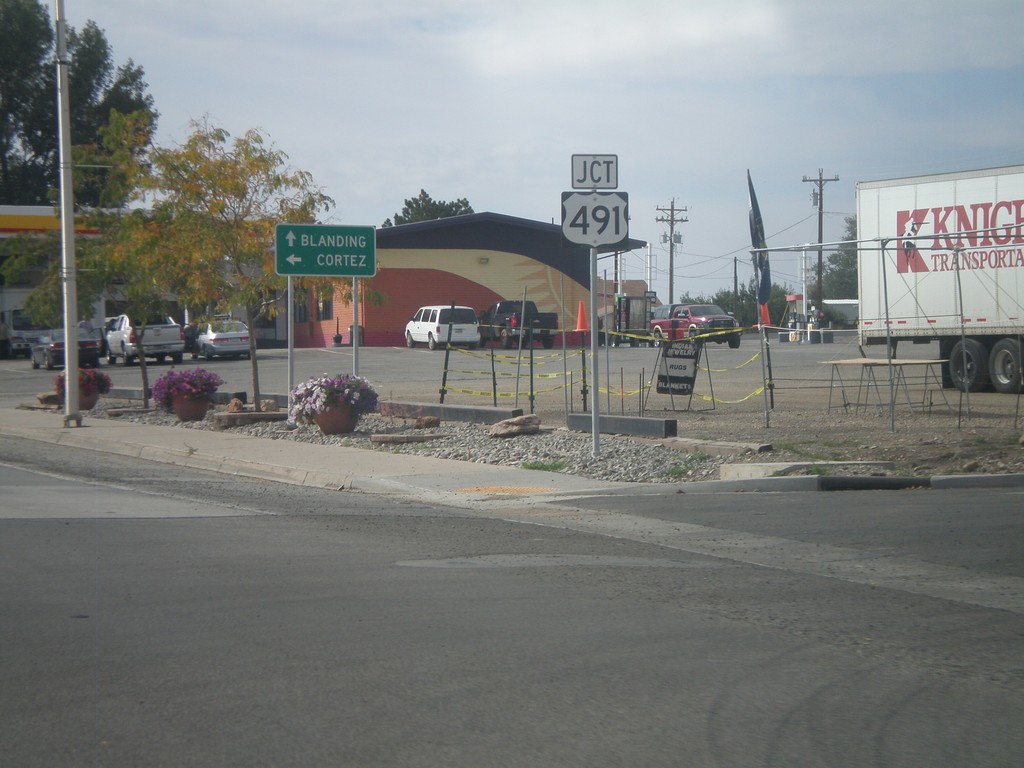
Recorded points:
(489,100)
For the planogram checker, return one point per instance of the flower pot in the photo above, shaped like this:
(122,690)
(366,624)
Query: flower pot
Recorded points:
(190,409)
(87,400)
(336,419)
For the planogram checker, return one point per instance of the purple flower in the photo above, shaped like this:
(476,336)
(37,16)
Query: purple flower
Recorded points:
(89,380)
(192,383)
(318,393)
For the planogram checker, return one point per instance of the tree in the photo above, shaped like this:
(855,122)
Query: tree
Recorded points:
(424,208)
(28,97)
(218,199)
(839,276)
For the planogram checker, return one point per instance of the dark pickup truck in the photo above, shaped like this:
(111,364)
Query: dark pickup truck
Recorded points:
(506,320)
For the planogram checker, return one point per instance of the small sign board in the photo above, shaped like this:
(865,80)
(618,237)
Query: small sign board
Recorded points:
(595,218)
(315,250)
(681,361)
(595,171)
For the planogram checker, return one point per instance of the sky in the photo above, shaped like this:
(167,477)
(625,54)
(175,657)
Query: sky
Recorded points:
(489,100)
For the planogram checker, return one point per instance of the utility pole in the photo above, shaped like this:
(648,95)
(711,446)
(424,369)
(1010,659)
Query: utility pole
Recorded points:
(671,220)
(818,196)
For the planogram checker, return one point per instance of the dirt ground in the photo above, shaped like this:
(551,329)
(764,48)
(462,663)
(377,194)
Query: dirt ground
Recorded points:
(925,431)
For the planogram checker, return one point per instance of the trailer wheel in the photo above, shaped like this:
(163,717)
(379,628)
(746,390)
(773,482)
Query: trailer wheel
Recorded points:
(1004,365)
(968,365)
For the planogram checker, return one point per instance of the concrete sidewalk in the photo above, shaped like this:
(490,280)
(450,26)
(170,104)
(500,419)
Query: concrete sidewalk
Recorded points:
(455,483)
(335,467)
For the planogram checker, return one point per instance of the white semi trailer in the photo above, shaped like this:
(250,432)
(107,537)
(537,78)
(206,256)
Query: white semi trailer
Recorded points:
(941,258)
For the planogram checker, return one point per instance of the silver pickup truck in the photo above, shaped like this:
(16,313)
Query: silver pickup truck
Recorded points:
(162,337)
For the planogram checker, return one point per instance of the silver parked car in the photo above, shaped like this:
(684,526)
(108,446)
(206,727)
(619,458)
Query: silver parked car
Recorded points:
(222,337)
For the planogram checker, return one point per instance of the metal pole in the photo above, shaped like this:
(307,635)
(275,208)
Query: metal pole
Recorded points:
(595,419)
(888,343)
(355,326)
(67,226)
(291,340)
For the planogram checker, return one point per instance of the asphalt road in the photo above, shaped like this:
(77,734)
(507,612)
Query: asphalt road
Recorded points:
(400,373)
(149,617)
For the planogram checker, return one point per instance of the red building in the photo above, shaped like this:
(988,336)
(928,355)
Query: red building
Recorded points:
(471,260)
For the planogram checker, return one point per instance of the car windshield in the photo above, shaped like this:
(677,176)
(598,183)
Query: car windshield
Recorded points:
(228,326)
(57,334)
(460,316)
(706,309)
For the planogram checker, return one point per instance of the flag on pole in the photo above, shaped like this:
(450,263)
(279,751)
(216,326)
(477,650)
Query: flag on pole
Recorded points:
(757,241)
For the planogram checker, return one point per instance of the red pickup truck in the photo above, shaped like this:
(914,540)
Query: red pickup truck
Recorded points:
(678,321)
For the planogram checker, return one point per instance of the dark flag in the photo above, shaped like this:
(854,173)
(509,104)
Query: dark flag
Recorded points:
(757,241)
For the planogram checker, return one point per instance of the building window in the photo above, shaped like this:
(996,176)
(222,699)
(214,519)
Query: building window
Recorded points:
(325,304)
(300,307)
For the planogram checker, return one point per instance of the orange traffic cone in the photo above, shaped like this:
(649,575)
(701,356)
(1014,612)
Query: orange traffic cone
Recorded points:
(581,320)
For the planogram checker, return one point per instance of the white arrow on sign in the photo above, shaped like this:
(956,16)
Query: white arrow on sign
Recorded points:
(290,237)
(293,259)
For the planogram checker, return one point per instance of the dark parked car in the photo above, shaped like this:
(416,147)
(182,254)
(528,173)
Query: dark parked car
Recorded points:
(48,352)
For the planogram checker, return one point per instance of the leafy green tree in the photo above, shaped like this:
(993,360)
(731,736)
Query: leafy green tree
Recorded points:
(29,162)
(425,208)
(839,274)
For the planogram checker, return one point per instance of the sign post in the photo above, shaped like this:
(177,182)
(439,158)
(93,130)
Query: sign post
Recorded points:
(595,219)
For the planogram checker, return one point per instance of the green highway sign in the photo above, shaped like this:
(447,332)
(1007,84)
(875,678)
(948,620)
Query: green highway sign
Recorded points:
(316,250)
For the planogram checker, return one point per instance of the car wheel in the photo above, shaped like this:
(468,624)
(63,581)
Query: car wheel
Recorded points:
(176,357)
(126,359)
(409,342)
(734,342)
(431,342)
(35,363)
(658,338)
(49,363)
(207,352)
(506,339)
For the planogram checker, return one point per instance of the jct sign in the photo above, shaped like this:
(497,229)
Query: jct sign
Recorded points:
(595,171)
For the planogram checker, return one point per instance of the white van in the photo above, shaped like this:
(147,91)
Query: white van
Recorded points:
(430,326)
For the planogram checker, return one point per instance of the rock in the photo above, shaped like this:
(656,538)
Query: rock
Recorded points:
(520,425)
(269,406)
(235,406)
(48,398)
(427,422)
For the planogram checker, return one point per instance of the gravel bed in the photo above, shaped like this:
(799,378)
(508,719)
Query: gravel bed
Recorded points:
(621,459)
(808,435)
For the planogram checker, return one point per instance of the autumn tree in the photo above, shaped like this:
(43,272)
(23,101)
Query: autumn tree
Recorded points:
(217,201)
(425,208)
